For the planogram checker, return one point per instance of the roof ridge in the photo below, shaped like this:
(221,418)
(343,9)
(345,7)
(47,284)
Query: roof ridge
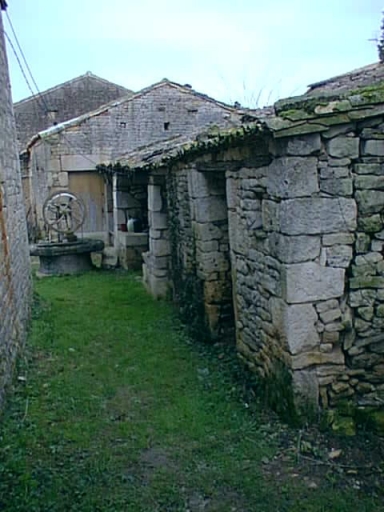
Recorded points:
(88,74)
(347,73)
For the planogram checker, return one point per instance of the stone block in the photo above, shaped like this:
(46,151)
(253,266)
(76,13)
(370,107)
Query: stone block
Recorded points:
(317,215)
(339,256)
(327,305)
(305,385)
(362,298)
(370,258)
(292,177)
(310,282)
(337,186)
(338,239)
(373,148)
(377,169)
(304,145)
(159,247)
(212,262)
(308,359)
(341,147)
(210,209)
(271,215)
(334,172)
(155,201)
(370,223)
(370,201)
(366,282)
(232,191)
(294,249)
(296,325)
(369,182)
(330,315)
(158,220)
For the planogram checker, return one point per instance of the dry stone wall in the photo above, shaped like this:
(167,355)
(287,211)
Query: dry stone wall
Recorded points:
(15,284)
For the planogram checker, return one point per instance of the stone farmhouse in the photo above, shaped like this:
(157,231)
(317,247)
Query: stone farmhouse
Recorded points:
(66,156)
(15,283)
(63,102)
(275,231)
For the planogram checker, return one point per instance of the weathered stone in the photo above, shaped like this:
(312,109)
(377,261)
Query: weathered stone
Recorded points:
(370,224)
(213,262)
(159,247)
(368,182)
(361,325)
(155,202)
(207,231)
(158,220)
(377,245)
(377,169)
(373,148)
(370,258)
(362,242)
(341,147)
(338,130)
(366,282)
(231,192)
(310,282)
(380,310)
(330,315)
(338,239)
(334,327)
(327,305)
(296,324)
(370,201)
(337,186)
(304,145)
(305,387)
(292,177)
(366,313)
(326,347)
(334,172)
(270,215)
(308,359)
(339,255)
(331,337)
(338,162)
(317,215)
(210,209)
(294,249)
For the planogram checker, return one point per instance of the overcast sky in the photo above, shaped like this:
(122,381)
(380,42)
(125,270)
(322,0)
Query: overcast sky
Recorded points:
(251,51)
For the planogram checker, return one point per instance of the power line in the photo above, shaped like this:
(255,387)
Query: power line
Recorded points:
(25,61)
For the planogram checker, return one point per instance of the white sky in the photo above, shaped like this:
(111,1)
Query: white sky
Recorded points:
(251,51)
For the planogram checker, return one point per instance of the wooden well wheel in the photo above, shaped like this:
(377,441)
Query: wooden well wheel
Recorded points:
(63,212)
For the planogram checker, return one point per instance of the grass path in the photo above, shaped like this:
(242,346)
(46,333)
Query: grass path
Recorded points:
(115,410)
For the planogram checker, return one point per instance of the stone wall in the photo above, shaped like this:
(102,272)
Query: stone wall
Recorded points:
(63,102)
(306,234)
(15,284)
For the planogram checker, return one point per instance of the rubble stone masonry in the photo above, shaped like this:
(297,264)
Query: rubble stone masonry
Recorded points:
(15,283)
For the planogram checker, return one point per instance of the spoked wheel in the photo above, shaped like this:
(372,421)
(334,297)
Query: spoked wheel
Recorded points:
(64,212)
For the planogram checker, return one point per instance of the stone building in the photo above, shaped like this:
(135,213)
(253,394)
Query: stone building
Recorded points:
(361,77)
(276,231)
(66,156)
(15,284)
(63,102)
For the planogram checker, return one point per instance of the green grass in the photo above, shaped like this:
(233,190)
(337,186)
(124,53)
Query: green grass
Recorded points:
(116,410)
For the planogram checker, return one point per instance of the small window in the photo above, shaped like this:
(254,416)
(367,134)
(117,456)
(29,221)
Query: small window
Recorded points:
(166,126)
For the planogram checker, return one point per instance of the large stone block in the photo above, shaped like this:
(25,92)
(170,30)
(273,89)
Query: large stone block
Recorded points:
(341,147)
(294,249)
(295,325)
(317,215)
(311,282)
(292,177)
(155,202)
(210,209)
(304,145)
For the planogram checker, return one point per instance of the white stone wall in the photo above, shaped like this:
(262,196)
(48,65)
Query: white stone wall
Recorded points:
(15,284)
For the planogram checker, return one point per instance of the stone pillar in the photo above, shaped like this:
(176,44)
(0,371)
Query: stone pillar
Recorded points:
(210,225)
(157,259)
